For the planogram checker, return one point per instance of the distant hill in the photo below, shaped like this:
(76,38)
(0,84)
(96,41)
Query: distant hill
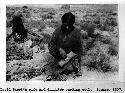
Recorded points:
(97,6)
(90,6)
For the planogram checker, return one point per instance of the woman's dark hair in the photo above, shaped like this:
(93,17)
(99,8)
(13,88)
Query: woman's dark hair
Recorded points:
(20,33)
(17,23)
(68,18)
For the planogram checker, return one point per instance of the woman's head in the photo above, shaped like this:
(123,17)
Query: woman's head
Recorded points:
(17,23)
(17,20)
(68,19)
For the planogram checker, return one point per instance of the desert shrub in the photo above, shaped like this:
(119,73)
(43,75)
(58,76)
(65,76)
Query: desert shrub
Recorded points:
(16,51)
(115,42)
(105,39)
(10,13)
(89,43)
(65,6)
(114,63)
(103,23)
(24,70)
(12,52)
(54,23)
(39,24)
(78,23)
(97,57)
(109,28)
(115,33)
(89,28)
(47,16)
(52,12)
(46,38)
(112,21)
(8,23)
(96,21)
(26,15)
(48,30)
(89,18)
(114,46)
(108,23)
(113,51)
(100,65)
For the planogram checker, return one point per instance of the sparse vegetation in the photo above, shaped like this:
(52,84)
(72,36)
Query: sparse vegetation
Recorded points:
(99,29)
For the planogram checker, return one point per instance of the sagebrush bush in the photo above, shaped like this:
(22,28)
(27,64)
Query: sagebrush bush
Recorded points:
(47,16)
(35,24)
(27,69)
(113,51)
(98,57)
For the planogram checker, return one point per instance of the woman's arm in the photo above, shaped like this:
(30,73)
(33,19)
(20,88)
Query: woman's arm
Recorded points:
(34,34)
(53,45)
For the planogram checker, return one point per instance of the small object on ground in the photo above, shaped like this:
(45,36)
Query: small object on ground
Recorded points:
(69,56)
(79,74)
(62,62)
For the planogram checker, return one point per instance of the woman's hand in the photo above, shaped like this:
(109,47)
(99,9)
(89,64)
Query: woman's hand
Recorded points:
(63,53)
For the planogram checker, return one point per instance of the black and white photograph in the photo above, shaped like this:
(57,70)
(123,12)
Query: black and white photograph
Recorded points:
(62,42)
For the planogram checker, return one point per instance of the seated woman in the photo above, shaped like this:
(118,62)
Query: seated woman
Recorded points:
(19,33)
(66,40)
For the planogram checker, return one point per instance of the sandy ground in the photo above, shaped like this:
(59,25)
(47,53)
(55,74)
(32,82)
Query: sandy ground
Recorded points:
(86,75)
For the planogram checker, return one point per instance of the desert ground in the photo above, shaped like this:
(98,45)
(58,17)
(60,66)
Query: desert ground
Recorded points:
(100,59)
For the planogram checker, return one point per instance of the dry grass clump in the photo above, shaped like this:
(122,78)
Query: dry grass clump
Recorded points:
(24,70)
(99,57)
